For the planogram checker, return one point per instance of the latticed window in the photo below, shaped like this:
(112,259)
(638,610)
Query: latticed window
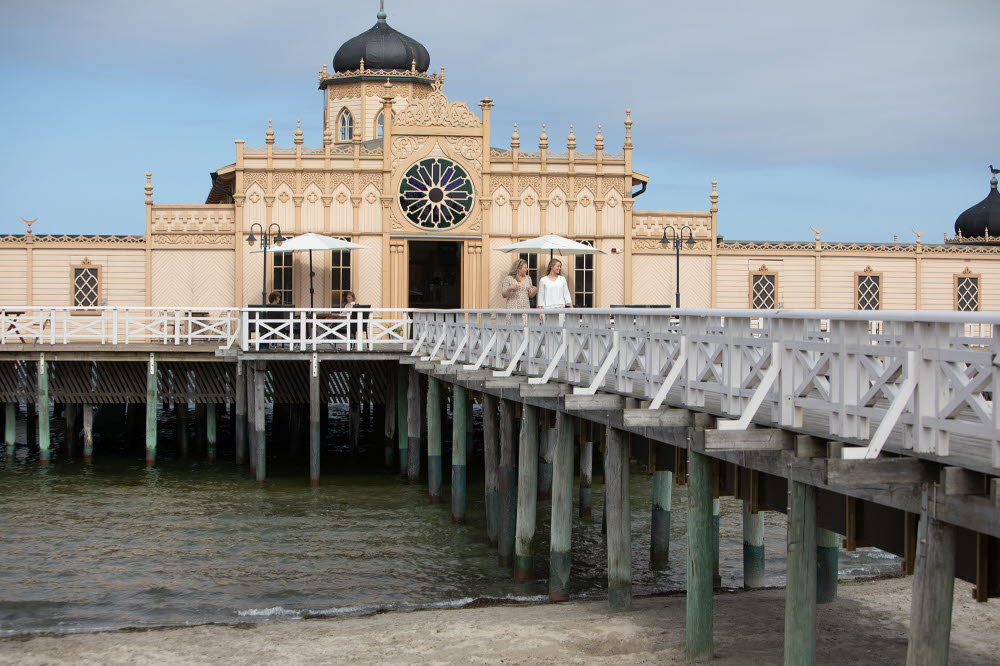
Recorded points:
(868,290)
(583,279)
(967,292)
(763,289)
(346,124)
(340,275)
(282,277)
(86,285)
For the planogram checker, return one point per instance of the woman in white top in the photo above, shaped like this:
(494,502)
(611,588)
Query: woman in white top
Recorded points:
(553,292)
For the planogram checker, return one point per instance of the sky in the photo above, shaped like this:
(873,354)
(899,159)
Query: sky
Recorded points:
(867,119)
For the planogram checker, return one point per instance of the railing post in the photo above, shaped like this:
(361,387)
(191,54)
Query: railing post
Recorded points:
(114,326)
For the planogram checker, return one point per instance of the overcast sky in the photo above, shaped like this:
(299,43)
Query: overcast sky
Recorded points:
(866,118)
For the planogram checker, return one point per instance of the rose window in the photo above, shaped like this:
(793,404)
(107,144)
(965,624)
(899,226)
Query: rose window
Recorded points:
(436,193)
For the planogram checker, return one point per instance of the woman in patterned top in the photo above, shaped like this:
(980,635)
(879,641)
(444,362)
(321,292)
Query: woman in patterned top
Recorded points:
(517,287)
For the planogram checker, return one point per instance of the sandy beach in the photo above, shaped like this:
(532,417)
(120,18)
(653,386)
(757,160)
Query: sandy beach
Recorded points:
(866,625)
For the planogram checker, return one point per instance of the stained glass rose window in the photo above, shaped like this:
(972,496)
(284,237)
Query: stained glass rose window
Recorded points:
(436,193)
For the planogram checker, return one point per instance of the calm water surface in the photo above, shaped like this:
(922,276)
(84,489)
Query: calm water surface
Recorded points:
(112,544)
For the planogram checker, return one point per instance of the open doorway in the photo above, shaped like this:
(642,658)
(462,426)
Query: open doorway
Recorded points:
(435,274)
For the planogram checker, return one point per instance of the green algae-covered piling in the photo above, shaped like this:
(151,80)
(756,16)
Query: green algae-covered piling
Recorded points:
(507,483)
(88,431)
(10,428)
(460,415)
(491,453)
(753,547)
(240,422)
(152,398)
(659,538)
(527,493)
(211,430)
(827,565)
(698,620)
(260,458)
(314,421)
(616,486)
(44,438)
(562,510)
(546,448)
(413,428)
(434,440)
(402,418)
(933,594)
(586,469)
(800,585)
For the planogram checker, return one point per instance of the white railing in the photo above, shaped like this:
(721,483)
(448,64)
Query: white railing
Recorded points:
(312,329)
(857,378)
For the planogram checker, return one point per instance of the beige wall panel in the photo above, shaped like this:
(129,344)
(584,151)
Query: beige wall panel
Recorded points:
(609,274)
(558,215)
(193,278)
(938,282)
(254,211)
(796,280)
(499,268)
(284,211)
(585,217)
(838,281)
(253,264)
(312,210)
(13,266)
(500,215)
(529,217)
(123,275)
(341,211)
(368,271)
(614,215)
(371,210)
(654,277)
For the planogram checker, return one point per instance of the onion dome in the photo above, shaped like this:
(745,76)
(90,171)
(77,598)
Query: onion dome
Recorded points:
(381,47)
(983,219)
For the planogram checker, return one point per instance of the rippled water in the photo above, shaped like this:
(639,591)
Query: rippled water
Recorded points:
(112,544)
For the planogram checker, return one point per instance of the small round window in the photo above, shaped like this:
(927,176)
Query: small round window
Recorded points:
(436,193)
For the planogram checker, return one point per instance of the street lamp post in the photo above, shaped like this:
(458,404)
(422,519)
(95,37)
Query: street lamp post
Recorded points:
(265,241)
(677,238)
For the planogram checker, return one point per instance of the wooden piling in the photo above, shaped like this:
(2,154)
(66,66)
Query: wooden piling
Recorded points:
(586,469)
(413,428)
(44,437)
(827,565)
(211,430)
(31,424)
(716,577)
(527,493)
(753,547)
(546,447)
(258,423)
(70,428)
(459,446)
(562,510)
(181,410)
(507,485)
(88,432)
(491,452)
(402,418)
(616,485)
(152,399)
(10,428)
(240,422)
(800,585)
(933,594)
(388,412)
(434,440)
(699,620)
(659,538)
(314,421)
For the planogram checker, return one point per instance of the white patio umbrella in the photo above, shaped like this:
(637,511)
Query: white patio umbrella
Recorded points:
(310,242)
(551,243)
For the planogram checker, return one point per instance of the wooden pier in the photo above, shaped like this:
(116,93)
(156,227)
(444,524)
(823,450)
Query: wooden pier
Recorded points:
(882,429)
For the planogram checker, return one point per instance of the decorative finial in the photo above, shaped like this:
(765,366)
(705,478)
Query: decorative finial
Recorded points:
(387,88)
(571,139)
(919,234)
(269,134)
(381,12)
(413,65)
(628,127)
(323,73)
(327,135)
(298,132)
(515,139)
(149,187)
(714,197)
(599,139)
(543,139)
(29,223)
(486,103)
(361,64)
(442,76)
(817,232)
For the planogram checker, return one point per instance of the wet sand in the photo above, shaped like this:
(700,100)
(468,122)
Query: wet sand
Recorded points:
(867,624)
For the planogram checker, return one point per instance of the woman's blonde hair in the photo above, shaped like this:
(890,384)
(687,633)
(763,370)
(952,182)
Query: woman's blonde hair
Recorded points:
(552,262)
(516,267)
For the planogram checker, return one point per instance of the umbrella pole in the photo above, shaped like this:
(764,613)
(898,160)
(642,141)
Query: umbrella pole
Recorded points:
(311,276)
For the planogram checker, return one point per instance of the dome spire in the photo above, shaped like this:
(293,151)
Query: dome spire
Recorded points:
(381,16)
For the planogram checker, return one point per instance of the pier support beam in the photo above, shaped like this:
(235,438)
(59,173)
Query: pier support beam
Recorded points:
(31,424)
(699,620)
(10,428)
(753,547)
(44,437)
(459,446)
(659,538)
(389,424)
(491,446)
(716,577)
(88,432)
(527,493)
(562,509)
(827,565)
(933,594)
(586,469)
(315,431)
(211,430)
(240,422)
(616,485)
(402,418)
(413,428)
(258,423)
(507,483)
(800,585)
(70,429)
(546,445)
(434,440)
(152,399)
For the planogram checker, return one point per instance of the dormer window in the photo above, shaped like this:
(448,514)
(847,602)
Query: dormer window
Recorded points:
(346,125)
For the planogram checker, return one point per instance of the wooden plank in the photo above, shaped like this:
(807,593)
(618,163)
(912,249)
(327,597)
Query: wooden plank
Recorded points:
(550,390)
(656,418)
(959,481)
(878,472)
(762,439)
(505,382)
(597,402)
